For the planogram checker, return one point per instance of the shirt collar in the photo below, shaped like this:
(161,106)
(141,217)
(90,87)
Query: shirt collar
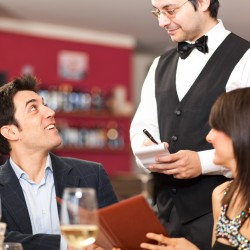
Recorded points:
(19,172)
(216,35)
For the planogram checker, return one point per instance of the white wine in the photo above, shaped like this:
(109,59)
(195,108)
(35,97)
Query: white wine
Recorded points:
(79,235)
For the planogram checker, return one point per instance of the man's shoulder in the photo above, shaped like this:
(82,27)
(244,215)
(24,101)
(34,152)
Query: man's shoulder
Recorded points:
(73,162)
(79,161)
(236,39)
(239,37)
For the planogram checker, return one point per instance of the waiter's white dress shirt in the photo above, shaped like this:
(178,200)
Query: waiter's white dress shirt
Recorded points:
(187,71)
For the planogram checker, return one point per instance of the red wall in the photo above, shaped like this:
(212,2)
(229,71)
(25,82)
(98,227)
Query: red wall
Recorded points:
(108,66)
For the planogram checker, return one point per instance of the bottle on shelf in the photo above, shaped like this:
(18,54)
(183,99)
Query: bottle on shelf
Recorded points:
(114,136)
(66,99)
(97,99)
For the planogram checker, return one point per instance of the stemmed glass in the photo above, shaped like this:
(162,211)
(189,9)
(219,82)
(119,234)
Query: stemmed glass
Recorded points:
(2,232)
(7,245)
(12,246)
(0,208)
(79,217)
(144,176)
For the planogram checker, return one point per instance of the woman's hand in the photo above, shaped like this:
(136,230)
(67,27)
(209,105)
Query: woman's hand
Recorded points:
(93,247)
(165,243)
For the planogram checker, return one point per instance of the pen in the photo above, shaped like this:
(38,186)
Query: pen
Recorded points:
(149,136)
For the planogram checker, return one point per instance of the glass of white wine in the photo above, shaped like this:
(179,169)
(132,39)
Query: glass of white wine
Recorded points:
(145,176)
(12,246)
(0,208)
(79,217)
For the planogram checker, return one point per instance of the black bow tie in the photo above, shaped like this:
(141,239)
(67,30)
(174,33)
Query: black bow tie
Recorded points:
(184,48)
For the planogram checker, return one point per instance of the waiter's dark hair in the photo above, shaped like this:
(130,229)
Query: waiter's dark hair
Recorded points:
(213,8)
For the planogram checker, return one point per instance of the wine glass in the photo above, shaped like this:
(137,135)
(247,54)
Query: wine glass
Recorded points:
(145,176)
(12,246)
(79,217)
(2,232)
(0,208)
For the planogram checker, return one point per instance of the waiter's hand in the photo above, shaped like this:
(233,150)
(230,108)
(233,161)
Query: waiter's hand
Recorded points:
(184,164)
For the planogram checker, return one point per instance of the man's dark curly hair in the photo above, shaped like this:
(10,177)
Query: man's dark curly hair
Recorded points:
(213,8)
(7,108)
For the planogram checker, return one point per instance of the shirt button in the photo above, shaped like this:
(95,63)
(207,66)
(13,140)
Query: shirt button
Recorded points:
(43,211)
(177,112)
(174,138)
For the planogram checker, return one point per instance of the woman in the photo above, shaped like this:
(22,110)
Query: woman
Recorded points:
(230,137)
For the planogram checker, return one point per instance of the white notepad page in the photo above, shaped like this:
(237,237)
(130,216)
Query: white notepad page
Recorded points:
(147,154)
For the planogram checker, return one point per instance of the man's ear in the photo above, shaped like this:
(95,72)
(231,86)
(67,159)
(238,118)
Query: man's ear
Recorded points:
(204,4)
(9,132)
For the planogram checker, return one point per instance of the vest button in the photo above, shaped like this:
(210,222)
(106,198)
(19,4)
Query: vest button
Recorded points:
(174,138)
(174,190)
(177,112)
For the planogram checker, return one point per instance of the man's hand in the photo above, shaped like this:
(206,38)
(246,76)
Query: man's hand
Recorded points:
(184,164)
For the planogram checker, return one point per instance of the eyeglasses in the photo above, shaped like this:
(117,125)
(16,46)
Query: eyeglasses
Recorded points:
(169,13)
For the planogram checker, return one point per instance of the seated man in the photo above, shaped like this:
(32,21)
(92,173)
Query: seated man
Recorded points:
(32,178)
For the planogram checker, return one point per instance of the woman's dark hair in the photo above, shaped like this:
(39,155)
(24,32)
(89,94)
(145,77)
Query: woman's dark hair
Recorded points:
(231,114)
(213,8)
(7,109)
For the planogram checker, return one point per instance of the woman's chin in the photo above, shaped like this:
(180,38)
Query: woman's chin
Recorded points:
(217,161)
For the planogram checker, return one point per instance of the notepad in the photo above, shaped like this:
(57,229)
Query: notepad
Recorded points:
(147,154)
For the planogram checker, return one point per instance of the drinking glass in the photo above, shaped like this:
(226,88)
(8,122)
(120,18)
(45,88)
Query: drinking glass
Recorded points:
(0,208)
(144,176)
(2,232)
(79,217)
(12,246)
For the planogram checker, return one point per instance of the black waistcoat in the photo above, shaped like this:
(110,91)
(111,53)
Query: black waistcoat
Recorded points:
(184,124)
